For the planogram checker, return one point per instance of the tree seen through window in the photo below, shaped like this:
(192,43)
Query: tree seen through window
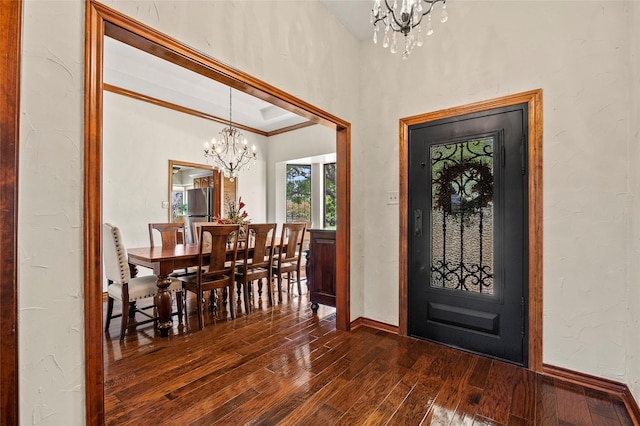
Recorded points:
(298,192)
(330,195)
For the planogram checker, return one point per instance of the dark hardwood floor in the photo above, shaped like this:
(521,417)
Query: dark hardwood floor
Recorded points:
(285,366)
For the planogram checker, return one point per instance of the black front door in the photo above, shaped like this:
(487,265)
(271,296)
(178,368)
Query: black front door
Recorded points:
(467,241)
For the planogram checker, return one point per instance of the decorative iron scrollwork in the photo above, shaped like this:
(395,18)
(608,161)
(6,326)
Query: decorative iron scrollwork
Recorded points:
(462,216)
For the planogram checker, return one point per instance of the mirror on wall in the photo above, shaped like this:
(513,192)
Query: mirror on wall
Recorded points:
(194,192)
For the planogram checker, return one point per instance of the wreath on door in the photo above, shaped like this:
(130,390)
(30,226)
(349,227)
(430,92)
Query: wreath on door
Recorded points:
(471,182)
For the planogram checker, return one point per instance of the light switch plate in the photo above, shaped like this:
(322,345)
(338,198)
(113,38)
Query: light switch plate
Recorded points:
(165,204)
(393,197)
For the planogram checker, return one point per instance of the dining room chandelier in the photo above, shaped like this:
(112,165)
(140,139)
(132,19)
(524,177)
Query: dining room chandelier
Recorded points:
(404,17)
(229,152)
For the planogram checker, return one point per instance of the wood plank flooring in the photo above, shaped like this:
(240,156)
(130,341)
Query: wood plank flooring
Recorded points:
(285,366)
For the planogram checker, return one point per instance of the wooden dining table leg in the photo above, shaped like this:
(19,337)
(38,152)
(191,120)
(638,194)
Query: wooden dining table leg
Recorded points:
(133,305)
(163,302)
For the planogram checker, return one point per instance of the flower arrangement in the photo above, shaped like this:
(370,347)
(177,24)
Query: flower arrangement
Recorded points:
(234,215)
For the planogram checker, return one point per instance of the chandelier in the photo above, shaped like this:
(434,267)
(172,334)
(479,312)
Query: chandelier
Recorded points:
(404,17)
(229,152)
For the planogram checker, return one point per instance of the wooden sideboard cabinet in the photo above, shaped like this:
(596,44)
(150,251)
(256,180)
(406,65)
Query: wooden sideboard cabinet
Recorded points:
(321,268)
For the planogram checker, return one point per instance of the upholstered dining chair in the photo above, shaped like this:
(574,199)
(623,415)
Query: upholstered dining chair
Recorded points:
(125,289)
(214,271)
(288,258)
(257,259)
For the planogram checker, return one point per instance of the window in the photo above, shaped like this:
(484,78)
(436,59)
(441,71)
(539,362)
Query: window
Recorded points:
(298,192)
(329,195)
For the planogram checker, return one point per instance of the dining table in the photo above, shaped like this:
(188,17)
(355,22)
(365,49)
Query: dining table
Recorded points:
(164,261)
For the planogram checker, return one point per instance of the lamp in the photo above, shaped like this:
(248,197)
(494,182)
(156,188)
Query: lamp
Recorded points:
(230,152)
(405,20)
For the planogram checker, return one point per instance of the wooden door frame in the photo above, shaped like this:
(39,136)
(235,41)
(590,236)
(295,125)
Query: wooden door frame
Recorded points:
(10,59)
(534,100)
(101,21)
(217,185)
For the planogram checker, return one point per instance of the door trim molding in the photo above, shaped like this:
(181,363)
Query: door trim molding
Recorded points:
(534,189)
(101,20)
(10,46)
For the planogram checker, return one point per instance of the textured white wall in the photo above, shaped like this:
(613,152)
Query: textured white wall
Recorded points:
(490,49)
(633,276)
(51,322)
(578,52)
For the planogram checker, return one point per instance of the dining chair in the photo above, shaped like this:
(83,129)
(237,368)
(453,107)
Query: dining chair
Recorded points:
(195,226)
(170,233)
(288,258)
(306,240)
(306,246)
(257,259)
(214,271)
(125,289)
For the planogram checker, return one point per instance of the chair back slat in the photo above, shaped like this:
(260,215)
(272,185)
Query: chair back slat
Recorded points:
(215,240)
(195,226)
(291,241)
(258,247)
(171,234)
(306,240)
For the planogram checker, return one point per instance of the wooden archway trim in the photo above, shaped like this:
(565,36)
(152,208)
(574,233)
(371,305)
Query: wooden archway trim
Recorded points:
(10,46)
(175,107)
(534,100)
(101,21)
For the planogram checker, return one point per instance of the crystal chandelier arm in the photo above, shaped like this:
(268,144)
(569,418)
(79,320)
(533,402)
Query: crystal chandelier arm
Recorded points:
(431,3)
(422,15)
(392,12)
(375,22)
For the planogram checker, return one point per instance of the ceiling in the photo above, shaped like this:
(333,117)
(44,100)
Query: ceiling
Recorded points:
(136,71)
(354,14)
